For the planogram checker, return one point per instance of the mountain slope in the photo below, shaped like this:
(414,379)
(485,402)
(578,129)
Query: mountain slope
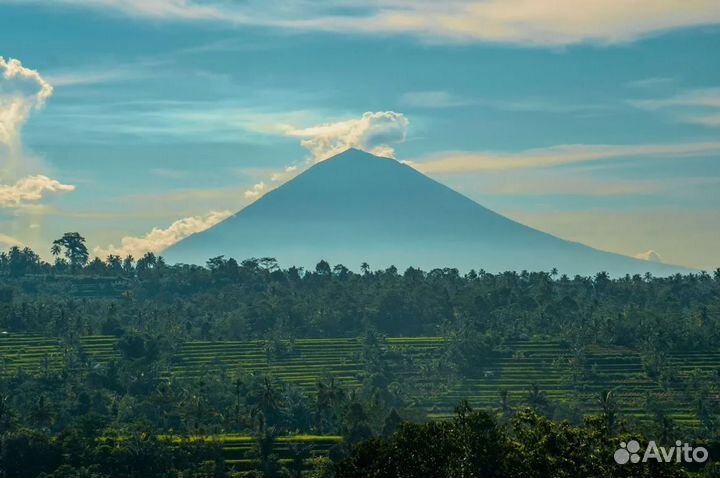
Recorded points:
(357,207)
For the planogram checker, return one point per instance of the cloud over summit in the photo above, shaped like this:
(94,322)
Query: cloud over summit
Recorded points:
(374,132)
(650,256)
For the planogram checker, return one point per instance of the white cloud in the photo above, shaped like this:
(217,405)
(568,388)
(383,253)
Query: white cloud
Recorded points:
(13,68)
(650,256)
(15,101)
(276,179)
(469,161)
(527,22)
(22,91)
(158,239)
(282,176)
(255,191)
(372,132)
(30,189)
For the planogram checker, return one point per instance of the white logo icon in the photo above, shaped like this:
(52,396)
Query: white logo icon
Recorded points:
(680,453)
(627,452)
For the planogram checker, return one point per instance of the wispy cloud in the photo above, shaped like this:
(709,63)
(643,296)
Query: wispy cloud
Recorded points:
(469,161)
(9,241)
(651,82)
(571,185)
(712,121)
(433,99)
(159,239)
(696,106)
(221,120)
(549,105)
(527,22)
(704,97)
(96,74)
(160,9)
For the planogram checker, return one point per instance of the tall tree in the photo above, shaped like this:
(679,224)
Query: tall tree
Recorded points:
(75,250)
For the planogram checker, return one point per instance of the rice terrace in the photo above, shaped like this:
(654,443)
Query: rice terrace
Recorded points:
(536,369)
(537,372)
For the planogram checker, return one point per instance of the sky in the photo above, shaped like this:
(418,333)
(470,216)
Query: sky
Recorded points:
(139,122)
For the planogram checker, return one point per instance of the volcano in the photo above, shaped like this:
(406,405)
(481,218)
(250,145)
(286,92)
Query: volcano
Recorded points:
(356,207)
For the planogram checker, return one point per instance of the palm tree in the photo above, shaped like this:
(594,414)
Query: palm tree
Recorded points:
(268,402)
(298,452)
(505,406)
(114,263)
(5,412)
(665,426)
(536,399)
(608,405)
(263,451)
(146,263)
(41,412)
(128,263)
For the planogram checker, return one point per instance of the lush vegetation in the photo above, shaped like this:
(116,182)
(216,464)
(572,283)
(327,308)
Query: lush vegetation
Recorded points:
(125,367)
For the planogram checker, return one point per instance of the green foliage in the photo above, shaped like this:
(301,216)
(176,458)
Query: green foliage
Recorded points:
(133,367)
(474,445)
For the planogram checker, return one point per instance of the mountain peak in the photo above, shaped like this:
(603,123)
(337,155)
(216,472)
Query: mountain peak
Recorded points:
(357,207)
(355,154)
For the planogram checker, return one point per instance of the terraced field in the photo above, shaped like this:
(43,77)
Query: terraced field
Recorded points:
(35,354)
(545,364)
(238,449)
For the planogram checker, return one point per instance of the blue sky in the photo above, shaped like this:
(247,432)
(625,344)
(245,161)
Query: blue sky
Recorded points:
(598,123)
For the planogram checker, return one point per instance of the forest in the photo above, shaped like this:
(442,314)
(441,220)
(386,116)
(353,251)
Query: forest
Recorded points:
(132,367)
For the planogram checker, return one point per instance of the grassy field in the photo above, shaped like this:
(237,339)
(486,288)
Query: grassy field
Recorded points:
(544,364)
